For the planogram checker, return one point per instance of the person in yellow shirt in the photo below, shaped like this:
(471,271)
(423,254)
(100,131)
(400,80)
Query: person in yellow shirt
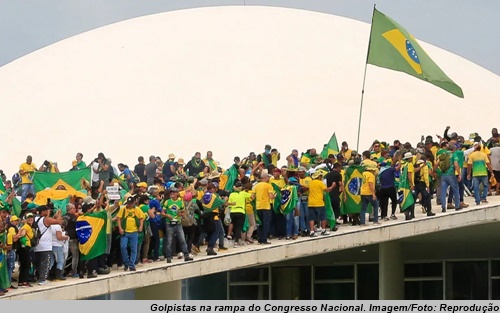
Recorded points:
(263,194)
(345,151)
(130,224)
(422,184)
(26,171)
(317,210)
(26,232)
(368,195)
(247,191)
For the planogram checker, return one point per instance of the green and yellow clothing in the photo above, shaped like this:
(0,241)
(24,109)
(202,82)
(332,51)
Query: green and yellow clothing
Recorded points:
(459,156)
(28,170)
(316,190)
(81,165)
(478,160)
(262,199)
(248,201)
(280,182)
(347,154)
(131,216)
(29,234)
(172,207)
(308,159)
(306,181)
(211,164)
(239,198)
(368,178)
(375,155)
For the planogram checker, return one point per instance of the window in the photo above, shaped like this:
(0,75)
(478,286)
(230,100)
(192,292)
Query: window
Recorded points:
(367,282)
(467,280)
(495,280)
(292,282)
(249,284)
(424,281)
(334,282)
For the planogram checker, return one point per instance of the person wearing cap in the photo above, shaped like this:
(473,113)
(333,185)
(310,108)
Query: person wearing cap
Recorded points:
(14,244)
(304,182)
(478,166)
(168,170)
(23,252)
(407,165)
(263,194)
(43,250)
(173,212)
(179,171)
(316,203)
(130,224)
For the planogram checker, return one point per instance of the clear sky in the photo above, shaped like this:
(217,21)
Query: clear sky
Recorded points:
(468,28)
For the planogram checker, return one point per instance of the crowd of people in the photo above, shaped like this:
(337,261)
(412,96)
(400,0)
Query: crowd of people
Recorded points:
(175,209)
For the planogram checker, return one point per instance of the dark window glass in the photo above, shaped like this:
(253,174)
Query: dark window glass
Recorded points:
(495,289)
(291,283)
(424,290)
(196,287)
(467,280)
(250,275)
(424,270)
(337,291)
(249,292)
(495,268)
(334,272)
(367,282)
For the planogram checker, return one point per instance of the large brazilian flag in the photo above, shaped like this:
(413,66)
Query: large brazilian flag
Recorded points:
(353,179)
(73,179)
(393,47)
(404,194)
(91,233)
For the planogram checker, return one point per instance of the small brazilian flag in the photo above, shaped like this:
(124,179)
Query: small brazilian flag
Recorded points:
(211,201)
(392,47)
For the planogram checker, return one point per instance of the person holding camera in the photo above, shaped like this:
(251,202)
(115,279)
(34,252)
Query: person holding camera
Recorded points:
(49,167)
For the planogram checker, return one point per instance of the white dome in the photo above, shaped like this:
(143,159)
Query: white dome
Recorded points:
(226,79)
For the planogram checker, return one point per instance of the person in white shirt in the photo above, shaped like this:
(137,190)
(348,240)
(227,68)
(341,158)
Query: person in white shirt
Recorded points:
(59,239)
(43,251)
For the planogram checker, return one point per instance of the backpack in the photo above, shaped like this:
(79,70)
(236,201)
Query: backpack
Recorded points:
(135,178)
(444,162)
(37,234)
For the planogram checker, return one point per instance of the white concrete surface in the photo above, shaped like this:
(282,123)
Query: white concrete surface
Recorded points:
(252,255)
(220,66)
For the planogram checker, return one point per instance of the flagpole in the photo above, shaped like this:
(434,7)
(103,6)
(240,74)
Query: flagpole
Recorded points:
(364,80)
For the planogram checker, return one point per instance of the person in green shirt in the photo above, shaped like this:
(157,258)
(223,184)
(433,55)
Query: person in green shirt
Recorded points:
(145,235)
(173,211)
